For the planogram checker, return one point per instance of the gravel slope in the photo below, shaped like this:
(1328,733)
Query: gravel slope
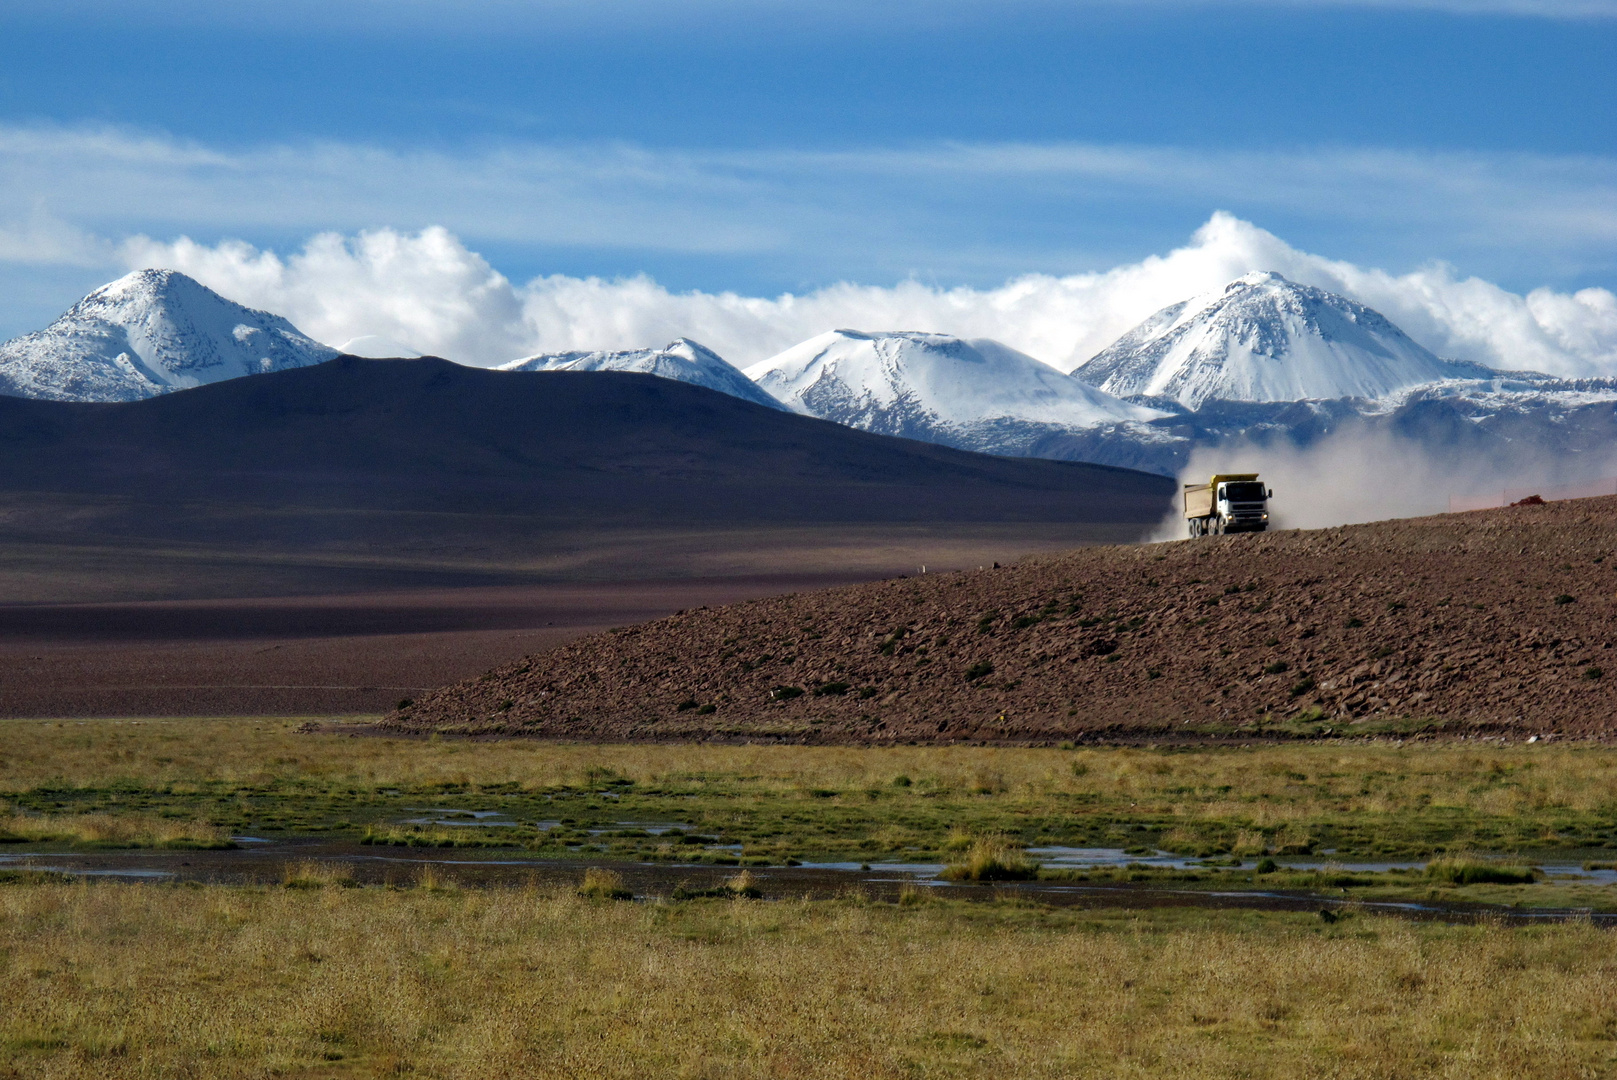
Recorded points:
(1495,621)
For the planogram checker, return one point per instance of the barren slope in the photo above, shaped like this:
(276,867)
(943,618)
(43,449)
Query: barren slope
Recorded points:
(1496,620)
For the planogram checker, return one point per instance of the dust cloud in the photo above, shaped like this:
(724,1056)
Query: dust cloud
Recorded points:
(1365,475)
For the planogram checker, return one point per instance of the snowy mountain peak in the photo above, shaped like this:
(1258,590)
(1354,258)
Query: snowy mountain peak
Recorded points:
(147,333)
(683,360)
(968,393)
(1256,277)
(1264,338)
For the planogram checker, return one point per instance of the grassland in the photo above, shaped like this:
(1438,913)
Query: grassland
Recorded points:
(319,975)
(1372,799)
(322,981)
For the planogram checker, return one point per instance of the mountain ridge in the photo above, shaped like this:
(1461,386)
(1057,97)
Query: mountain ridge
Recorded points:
(974,394)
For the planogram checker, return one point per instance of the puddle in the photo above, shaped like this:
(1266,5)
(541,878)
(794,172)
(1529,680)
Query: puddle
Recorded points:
(455,818)
(1073,858)
(265,862)
(907,871)
(26,864)
(1061,858)
(650,828)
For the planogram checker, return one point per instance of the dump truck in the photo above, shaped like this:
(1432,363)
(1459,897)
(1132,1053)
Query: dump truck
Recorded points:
(1230,502)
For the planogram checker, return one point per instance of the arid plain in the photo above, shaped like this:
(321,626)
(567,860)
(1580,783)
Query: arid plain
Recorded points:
(216,863)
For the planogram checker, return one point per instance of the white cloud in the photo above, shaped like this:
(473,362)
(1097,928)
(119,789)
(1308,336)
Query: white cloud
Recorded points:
(39,238)
(425,290)
(428,291)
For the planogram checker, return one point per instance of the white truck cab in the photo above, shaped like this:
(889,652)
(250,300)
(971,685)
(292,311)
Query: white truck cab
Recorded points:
(1229,502)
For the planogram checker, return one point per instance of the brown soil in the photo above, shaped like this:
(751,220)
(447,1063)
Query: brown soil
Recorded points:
(318,655)
(1498,620)
(361,638)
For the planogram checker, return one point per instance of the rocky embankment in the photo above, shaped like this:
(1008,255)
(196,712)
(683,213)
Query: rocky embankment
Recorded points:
(1487,622)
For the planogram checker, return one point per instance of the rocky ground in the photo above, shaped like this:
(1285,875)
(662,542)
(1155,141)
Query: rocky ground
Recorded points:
(1487,622)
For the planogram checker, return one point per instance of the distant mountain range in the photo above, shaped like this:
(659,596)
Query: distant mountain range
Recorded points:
(977,395)
(1263,359)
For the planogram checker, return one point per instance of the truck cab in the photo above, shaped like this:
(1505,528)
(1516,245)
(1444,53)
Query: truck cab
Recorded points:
(1232,502)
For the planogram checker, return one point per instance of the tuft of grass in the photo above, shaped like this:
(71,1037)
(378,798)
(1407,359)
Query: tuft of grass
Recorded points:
(1462,870)
(913,895)
(429,878)
(742,886)
(113,831)
(603,884)
(312,874)
(992,858)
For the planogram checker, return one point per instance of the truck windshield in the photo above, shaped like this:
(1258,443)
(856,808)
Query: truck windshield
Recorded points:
(1244,491)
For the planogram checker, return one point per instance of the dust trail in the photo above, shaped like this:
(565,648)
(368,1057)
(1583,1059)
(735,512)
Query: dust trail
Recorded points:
(1365,475)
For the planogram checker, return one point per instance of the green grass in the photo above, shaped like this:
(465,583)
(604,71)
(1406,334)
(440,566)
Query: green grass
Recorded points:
(1458,870)
(1374,800)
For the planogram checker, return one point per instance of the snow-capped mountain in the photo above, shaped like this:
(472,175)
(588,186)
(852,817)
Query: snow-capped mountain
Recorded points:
(977,395)
(147,333)
(1267,339)
(684,360)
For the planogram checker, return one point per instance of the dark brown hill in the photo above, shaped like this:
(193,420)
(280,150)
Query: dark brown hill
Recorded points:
(1492,621)
(430,436)
(356,475)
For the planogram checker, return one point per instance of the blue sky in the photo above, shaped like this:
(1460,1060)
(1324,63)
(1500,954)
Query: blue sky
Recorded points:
(768,145)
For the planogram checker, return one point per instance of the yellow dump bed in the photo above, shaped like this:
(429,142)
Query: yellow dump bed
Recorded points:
(1199,497)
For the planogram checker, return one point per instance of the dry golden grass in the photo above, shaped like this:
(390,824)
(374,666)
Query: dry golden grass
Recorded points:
(138,981)
(602,884)
(1268,785)
(113,830)
(314,874)
(992,858)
